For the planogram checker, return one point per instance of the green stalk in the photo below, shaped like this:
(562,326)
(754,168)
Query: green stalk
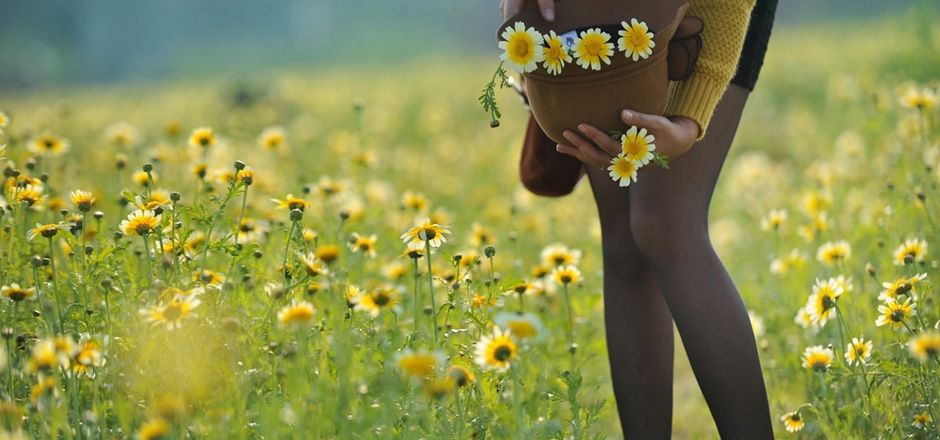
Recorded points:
(427,250)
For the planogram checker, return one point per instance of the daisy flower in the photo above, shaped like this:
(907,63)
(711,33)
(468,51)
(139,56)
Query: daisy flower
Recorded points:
(637,146)
(566,274)
(430,232)
(121,134)
(31,195)
(522,326)
(592,48)
(209,277)
(313,265)
(817,358)
(925,346)
(831,253)
(495,352)
(47,230)
(414,201)
(804,318)
(375,301)
(327,253)
(361,243)
(4,121)
(901,286)
(87,358)
(623,170)
(922,420)
(83,200)
(792,421)
(858,351)
(773,219)
(272,138)
(555,54)
(821,305)
(460,375)
(202,137)
(48,145)
(291,203)
(919,99)
(140,223)
(296,315)
(911,251)
(558,254)
(522,47)
(16,293)
(173,313)
(636,41)
(894,314)
(419,364)
(154,430)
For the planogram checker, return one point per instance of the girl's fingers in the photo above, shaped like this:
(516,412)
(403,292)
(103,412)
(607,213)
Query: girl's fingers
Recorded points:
(584,150)
(603,140)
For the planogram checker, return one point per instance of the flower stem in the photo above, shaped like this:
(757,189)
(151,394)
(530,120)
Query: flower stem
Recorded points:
(427,247)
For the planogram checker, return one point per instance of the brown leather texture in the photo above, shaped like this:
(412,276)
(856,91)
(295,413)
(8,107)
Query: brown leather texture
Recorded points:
(560,102)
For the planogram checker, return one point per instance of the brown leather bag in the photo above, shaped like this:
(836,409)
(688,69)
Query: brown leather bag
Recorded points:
(579,95)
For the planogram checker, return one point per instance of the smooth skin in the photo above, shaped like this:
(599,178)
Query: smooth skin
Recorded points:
(660,268)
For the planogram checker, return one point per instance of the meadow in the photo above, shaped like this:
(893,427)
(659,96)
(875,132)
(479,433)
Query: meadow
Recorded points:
(346,252)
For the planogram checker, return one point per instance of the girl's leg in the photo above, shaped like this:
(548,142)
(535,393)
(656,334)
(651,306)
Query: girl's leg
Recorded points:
(667,239)
(670,227)
(637,321)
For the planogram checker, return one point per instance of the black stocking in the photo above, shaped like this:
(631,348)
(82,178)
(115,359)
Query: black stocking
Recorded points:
(659,266)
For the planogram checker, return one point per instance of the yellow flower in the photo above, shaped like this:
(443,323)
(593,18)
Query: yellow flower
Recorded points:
(140,223)
(925,346)
(522,326)
(296,315)
(555,255)
(17,293)
(87,358)
(795,260)
(291,203)
(48,145)
(922,420)
(901,286)
(121,134)
(637,146)
(157,429)
(202,137)
(312,264)
(460,375)
(173,313)
(4,121)
(495,352)
(418,364)
(817,358)
(636,40)
(328,253)
(858,351)
(209,277)
(30,194)
(923,99)
(47,230)
(414,201)
(361,243)
(566,274)
(831,253)
(623,170)
(803,318)
(480,235)
(821,305)
(555,54)
(375,301)
(773,219)
(592,48)
(911,251)
(521,47)
(46,356)
(272,138)
(894,314)
(82,199)
(792,421)
(426,232)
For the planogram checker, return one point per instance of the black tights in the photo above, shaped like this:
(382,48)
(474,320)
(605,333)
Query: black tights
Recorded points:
(659,266)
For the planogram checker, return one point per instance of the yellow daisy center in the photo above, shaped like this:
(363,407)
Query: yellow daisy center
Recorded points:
(521,48)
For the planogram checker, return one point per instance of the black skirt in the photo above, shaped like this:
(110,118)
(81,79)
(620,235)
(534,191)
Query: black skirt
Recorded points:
(755,44)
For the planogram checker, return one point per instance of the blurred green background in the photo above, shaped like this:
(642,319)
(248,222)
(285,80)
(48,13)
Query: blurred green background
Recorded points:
(50,42)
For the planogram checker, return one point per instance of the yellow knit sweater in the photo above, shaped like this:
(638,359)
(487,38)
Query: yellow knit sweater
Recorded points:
(722,38)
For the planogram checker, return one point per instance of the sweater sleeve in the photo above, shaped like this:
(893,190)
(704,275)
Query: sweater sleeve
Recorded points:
(722,38)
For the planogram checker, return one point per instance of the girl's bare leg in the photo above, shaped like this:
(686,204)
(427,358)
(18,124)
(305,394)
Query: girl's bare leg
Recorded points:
(659,262)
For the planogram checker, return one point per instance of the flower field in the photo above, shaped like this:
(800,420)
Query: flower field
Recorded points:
(341,253)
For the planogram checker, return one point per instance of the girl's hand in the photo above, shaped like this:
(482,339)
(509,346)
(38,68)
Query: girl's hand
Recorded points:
(674,136)
(508,8)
